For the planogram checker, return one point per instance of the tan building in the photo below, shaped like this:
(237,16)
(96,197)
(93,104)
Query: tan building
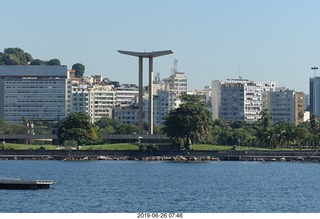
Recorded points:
(299,107)
(286,105)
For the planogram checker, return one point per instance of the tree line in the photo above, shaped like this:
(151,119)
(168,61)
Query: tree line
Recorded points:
(191,123)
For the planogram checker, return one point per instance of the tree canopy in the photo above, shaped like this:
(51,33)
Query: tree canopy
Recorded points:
(37,62)
(77,127)
(12,128)
(79,68)
(53,62)
(15,56)
(188,123)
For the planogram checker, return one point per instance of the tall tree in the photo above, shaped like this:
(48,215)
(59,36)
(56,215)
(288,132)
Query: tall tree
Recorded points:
(77,127)
(266,118)
(266,131)
(126,129)
(105,122)
(188,123)
(79,68)
(314,124)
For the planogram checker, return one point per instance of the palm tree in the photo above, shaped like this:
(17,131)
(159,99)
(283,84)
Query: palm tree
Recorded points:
(266,118)
(266,132)
(314,128)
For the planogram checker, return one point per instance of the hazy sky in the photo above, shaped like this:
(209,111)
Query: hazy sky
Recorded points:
(276,40)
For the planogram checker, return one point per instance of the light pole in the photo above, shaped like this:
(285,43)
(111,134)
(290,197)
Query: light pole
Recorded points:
(314,68)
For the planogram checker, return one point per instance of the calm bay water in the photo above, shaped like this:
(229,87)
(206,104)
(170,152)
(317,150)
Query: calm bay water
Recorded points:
(137,186)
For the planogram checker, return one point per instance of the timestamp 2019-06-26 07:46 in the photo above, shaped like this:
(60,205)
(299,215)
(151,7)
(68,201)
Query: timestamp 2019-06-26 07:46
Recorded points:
(160,215)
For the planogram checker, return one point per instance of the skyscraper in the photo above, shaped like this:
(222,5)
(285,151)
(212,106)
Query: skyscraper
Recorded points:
(315,95)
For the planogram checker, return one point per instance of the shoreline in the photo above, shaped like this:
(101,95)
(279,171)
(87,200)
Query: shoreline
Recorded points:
(161,155)
(177,158)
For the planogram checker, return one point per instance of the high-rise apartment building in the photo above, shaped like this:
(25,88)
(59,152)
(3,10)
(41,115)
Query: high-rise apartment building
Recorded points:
(314,86)
(238,99)
(177,81)
(34,92)
(77,99)
(102,100)
(286,105)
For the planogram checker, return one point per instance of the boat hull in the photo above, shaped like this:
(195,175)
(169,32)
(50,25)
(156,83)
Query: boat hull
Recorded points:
(25,184)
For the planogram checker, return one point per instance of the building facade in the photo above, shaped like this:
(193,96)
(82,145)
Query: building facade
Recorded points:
(33,92)
(102,100)
(286,105)
(238,99)
(77,99)
(314,86)
(177,82)
(163,103)
(128,114)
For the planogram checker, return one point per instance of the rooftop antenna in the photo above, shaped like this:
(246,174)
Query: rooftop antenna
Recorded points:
(175,66)
(239,71)
(157,78)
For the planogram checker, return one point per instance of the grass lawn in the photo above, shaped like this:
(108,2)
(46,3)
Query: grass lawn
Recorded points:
(210,147)
(127,146)
(223,148)
(29,146)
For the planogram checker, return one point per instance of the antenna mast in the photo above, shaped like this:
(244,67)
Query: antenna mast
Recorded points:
(175,66)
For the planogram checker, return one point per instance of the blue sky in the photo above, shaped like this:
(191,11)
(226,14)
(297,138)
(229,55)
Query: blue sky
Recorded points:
(276,40)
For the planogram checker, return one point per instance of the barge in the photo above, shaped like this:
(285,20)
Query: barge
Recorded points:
(25,184)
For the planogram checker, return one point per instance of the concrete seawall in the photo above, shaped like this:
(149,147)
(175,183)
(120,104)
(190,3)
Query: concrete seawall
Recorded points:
(131,154)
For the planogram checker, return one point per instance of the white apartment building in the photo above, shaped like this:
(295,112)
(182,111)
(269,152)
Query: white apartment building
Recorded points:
(126,94)
(102,100)
(239,99)
(98,97)
(77,97)
(35,92)
(177,82)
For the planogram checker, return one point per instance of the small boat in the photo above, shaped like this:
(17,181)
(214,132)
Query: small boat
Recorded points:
(25,184)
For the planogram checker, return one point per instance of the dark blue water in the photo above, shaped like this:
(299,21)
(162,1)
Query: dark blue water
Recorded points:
(137,186)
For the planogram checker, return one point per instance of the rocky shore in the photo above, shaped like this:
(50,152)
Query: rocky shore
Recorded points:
(147,158)
(176,158)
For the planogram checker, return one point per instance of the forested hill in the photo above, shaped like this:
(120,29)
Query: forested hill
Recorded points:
(16,56)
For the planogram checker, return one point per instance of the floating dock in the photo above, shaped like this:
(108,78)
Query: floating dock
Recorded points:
(25,184)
